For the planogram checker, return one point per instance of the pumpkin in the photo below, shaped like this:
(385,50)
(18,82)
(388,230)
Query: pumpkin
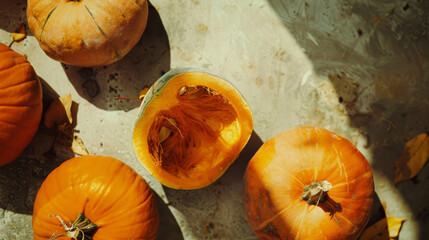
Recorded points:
(94,197)
(191,127)
(308,183)
(87,33)
(20,104)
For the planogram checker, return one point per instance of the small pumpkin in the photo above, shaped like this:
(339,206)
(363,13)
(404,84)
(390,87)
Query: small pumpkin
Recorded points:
(20,104)
(94,197)
(191,126)
(87,33)
(308,183)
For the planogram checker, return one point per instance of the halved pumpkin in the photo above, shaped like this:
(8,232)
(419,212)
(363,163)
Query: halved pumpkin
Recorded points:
(191,127)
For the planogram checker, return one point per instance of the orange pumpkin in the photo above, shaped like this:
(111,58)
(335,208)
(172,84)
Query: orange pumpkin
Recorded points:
(95,196)
(87,33)
(308,183)
(20,104)
(191,127)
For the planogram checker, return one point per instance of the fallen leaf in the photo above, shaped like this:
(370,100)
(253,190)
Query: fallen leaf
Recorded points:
(413,158)
(78,147)
(19,34)
(59,112)
(143,92)
(377,231)
(395,225)
(385,229)
(64,134)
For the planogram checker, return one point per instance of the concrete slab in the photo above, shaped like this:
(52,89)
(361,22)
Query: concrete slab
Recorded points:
(360,68)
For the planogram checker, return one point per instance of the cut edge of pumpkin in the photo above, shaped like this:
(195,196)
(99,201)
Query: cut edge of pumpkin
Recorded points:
(171,88)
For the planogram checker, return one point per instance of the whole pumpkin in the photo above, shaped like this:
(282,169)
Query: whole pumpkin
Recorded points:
(20,104)
(308,183)
(191,127)
(87,32)
(97,197)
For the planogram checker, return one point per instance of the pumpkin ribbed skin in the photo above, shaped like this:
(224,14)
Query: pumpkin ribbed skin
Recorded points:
(20,104)
(87,32)
(108,192)
(285,164)
(207,122)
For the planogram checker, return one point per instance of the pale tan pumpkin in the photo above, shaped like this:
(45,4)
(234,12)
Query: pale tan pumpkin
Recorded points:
(87,32)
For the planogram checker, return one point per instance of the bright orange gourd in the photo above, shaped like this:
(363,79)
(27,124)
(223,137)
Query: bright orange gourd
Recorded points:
(308,183)
(98,196)
(87,32)
(20,104)
(191,127)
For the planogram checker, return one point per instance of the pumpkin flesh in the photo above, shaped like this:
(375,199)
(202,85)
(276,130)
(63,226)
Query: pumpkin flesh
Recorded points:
(278,173)
(195,131)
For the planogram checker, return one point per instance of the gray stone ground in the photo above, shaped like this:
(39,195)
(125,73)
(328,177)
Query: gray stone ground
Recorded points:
(360,68)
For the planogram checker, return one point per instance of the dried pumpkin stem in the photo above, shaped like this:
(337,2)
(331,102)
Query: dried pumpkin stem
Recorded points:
(81,229)
(316,192)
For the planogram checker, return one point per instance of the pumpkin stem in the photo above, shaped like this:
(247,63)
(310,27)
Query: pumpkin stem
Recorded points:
(316,192)
(81,229)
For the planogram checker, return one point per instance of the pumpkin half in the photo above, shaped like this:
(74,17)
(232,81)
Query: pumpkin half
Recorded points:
(87,32)
(20,104)
(191,126)
(95,197)
(308,183)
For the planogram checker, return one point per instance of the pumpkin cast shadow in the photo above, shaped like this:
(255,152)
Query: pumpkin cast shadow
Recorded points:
(12,15)
(218,208)
(21,179)
(148,60)
(168,226)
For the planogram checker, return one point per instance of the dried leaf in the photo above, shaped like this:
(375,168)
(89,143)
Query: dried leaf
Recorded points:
(78,147)
(19,34)
(377,231)
(385,229)
(413,158)
(395,225)
(64,134)
(143,92)
(59,112)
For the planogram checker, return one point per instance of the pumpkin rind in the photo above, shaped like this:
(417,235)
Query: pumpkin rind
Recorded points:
(87,32)
(210,128)
(108,192)
(20,104)
(294,159)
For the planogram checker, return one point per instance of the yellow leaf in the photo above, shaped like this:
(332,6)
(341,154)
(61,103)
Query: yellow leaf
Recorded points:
(19,34)
(78,147)
(413,158)
(395,225)
(385,229)
(59,112)
(143,92)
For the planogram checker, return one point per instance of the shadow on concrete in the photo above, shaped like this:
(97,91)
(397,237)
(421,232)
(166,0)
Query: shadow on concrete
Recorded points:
(168,226)
(376,55)
(15,15)
(21,179)
(141,67)
(207,213)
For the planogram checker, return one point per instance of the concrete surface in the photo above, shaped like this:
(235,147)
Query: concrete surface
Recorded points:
(360,68)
